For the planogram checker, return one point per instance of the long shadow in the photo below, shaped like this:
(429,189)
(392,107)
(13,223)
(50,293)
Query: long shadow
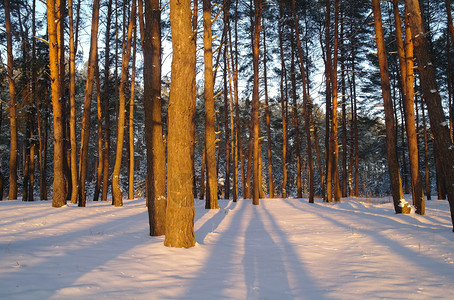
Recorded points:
(211,224)
(215,277)
(68,265)
(271,263)
(428,263)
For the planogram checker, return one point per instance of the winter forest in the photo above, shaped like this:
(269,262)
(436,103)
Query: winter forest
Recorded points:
(225,100)
(290,149)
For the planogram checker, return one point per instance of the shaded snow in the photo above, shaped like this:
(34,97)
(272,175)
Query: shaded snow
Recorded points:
(281,249)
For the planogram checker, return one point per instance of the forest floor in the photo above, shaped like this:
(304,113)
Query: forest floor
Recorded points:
(281,249)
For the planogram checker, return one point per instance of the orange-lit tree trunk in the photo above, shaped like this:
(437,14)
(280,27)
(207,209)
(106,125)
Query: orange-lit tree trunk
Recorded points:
(117,193)
(438,123)
(131,118)
(334,145)
(210,134)
(72,105)
(255,101)
(393,165)
(59,186)
(12,195)
(100,135)
(106,105)
(180,197)
(406,70)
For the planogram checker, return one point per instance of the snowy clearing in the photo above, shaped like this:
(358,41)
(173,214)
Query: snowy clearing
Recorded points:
(281,249)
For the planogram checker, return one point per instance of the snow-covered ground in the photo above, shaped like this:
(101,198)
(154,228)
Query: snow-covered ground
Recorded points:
(281,249)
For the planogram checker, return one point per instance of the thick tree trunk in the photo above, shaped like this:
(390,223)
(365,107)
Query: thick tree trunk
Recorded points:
(440,129)
(210,134)
(393,166)
(59,186)
(406,71)
(180,201)
(12,195)
(117,193)
(156,151)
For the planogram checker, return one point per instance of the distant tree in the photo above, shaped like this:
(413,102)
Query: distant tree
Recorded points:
(210,134)
(12,106)
(255,100)
(180,197)
(72,104)
(117,193)
(85,133)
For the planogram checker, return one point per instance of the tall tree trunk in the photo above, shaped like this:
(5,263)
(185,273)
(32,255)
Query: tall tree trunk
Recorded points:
(131,118)
(117,193)
(59,186)
(85,134)
(100,135)
(156,151)
(307,107)
(106,105)
(210,134)
(334,146)
(400,206)
(12,195)
(328,113)
(283,107)
(72,104)
(406,71)
(440,130)
(299,188)
(255,100)
(180,202)
(268,121)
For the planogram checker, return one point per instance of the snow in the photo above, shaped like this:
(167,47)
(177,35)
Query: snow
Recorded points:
(281,249)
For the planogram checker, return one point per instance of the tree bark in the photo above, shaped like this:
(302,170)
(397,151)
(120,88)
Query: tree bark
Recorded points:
(59,186)
(180,202)
(255,100)
(438,124)
(117,193)
(106,105)
(72,104)
(156,151)
(393,166)
(12,195)
(210,134)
